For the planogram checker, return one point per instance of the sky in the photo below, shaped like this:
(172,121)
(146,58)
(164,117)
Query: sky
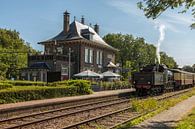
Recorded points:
(39,20)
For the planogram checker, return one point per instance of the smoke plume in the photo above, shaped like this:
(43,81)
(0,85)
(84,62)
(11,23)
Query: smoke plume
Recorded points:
(161,29)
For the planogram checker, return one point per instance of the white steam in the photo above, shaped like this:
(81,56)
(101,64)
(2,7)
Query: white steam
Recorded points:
(161,29)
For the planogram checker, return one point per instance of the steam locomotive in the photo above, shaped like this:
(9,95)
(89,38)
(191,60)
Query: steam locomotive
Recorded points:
(157,79)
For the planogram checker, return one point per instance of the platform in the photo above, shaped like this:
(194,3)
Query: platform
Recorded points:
(46,102)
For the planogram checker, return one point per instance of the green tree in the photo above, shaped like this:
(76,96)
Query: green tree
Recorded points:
(153,8)
(133,54)
(167,60)
(121,42)
(13,53)
(188,68)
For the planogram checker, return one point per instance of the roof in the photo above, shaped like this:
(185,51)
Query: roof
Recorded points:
(40,65)
(180,71)
(110,74)
(87,73)
(75,33)
(111,65)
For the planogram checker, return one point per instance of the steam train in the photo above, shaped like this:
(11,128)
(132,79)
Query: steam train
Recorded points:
(157,79)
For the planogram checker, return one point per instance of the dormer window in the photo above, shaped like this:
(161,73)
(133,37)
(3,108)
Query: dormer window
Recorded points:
(87,34)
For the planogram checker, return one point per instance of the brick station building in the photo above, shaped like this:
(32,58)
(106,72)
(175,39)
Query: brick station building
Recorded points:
(76,48)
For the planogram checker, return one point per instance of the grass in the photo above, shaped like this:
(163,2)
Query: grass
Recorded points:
(142,106)
(187,122)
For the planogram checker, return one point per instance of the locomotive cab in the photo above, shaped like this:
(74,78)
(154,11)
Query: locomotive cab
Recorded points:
(152,79)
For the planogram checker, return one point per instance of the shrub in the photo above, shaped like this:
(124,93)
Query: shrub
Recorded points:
(33,92)
(58,83)
(83,86)
(5,86)
(144,105)
(21,93)
(114,85)
(25,83)
(68,83)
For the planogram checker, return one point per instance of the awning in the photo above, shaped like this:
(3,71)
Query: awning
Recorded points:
(110,74)
(89,74)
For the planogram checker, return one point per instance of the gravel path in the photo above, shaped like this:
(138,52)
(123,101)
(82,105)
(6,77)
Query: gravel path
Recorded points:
(168,118)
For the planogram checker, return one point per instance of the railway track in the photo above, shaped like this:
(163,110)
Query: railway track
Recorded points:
(116,118)
(7,114)
(29,119)
(103,113)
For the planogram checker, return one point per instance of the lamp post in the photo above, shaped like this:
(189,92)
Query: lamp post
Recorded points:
(55,55)
(69,63)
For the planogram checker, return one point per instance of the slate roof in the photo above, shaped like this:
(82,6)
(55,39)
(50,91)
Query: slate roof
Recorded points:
(74,32)
(181,71)
(40,65)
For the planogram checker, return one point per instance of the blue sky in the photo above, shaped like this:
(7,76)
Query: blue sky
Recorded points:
(38,20)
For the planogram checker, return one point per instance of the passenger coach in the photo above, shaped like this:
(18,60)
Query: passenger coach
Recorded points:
(183,79)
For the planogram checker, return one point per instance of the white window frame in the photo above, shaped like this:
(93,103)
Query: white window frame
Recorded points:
(101,57)
(86,55)
(90,55)
(97,56)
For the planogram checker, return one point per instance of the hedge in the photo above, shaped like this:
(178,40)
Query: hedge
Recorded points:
(38,83)
(115,85)
(68,83)
(26,93)
(25,83)
(5,86)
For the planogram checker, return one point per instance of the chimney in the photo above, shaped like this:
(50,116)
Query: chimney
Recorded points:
(96,28)
(66,21)
(83,20)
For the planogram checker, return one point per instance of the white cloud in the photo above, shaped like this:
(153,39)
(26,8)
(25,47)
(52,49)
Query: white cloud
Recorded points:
(168,25)
(126,7)
(179,18)
(170,19)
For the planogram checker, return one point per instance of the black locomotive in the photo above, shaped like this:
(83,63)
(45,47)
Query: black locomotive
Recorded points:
(156,79)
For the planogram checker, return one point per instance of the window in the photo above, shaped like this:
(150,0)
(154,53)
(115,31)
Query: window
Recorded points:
(64,70)
(91,56)
(86,55)
(87,34)
(47,50)
(59,50)
(99,57)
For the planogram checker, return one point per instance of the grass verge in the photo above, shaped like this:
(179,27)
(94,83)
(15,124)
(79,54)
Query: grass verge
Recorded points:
(187,122)
(142,106)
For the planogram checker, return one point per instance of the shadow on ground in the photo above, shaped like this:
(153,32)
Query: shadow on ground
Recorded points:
(157,125)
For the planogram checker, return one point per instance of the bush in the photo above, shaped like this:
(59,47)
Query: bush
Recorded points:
(144,105)
(34,93)
(18,93)
(25,83)
(114,85)
(30,92)
(5,86)
(83,86)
